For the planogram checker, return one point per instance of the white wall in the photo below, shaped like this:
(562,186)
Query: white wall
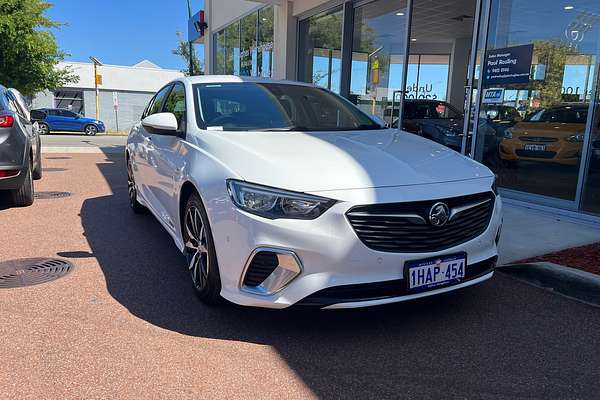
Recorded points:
(117,77)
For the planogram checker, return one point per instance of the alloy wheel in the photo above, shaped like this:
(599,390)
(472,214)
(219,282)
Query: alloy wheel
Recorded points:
(196,247)
(131,190)
(91,130)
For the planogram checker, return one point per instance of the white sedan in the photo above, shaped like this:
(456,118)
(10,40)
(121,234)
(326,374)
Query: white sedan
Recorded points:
(281,193)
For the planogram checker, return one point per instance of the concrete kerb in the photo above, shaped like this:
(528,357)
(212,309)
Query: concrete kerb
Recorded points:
(573,283)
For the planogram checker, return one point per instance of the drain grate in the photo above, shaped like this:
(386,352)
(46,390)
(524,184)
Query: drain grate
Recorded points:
(58,158)
(54,169)
(32,271)
(51,195)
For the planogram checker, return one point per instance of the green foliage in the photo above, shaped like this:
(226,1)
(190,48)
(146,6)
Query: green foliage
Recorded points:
(28,51)
(183,50)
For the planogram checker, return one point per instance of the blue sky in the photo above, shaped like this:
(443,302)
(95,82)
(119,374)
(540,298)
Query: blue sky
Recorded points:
(122,32)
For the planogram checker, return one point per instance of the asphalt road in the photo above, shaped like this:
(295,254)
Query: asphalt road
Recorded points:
(125,323)
(72,142)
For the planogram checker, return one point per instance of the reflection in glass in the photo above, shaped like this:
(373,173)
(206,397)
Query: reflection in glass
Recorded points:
(248,50)
(265,41)
(591,187)
(539,139)
(378,50)
(321,49)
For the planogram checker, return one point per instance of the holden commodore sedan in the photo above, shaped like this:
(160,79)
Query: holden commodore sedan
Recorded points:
(281,193)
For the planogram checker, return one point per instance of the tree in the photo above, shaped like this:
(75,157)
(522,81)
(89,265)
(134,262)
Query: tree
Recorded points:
(183,50)
(29,54)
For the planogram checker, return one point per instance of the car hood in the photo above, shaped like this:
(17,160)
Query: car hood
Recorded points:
(89,120)
(556,130)
(309,161)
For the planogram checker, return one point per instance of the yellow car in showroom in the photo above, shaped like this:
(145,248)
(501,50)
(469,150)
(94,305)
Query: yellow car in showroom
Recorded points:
(553,134)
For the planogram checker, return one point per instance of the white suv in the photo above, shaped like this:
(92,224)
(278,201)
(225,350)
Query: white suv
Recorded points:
(282,193)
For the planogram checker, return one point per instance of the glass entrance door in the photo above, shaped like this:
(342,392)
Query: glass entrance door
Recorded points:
(378,57)
(538,63)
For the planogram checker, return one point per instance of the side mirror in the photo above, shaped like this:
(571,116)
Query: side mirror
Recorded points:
(161,123)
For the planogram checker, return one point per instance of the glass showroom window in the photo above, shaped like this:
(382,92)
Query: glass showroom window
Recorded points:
(541,60)
(249,41)
(265,41)
(69,100)
(378,51)
(245,47)
(220,62)
(232,49)
(320,53)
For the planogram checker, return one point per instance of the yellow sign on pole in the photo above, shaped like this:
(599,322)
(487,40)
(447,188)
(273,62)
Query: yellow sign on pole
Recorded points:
(98,79)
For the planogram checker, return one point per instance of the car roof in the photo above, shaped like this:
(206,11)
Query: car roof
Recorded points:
(236,79)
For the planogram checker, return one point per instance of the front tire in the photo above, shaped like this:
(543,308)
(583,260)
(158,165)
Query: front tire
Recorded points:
(24,196)
(90,130)
(200,252)
(135,205)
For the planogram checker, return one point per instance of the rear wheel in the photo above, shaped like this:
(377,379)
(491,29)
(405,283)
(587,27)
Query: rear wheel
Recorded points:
(200,252)
(43,128)
(90,130)
(24,196)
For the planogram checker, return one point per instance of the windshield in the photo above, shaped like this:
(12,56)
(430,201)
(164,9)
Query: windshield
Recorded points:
(563,114)
(250,106)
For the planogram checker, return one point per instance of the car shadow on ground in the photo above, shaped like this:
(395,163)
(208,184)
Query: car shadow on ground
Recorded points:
(480,342)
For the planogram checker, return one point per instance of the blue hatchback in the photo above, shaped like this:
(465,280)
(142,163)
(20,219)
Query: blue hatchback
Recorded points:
(56,119)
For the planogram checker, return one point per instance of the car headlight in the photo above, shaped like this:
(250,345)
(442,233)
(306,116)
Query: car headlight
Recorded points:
(276,203)
(508,134)
(446,131)
(576,138)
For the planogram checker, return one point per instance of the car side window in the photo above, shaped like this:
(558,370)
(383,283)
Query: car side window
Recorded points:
(159,100)
(68,114)
(175,104)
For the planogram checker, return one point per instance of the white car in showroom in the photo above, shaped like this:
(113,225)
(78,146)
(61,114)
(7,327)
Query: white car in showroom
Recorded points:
(282,193)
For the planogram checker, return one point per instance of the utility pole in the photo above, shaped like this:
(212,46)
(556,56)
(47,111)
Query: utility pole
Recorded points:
(189,42)
(96,82)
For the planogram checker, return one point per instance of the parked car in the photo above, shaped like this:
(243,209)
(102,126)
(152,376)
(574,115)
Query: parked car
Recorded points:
(443,123)
(20,148)
(553,134)
(56,119)
(283,193)
(501,117)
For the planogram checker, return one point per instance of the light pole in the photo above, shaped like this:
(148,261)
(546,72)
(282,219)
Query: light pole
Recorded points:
(96,64)
(190,43)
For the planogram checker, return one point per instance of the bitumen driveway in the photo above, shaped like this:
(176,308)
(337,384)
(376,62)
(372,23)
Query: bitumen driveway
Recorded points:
(125,322)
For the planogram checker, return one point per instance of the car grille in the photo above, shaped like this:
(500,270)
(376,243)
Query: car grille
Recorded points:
(538,139)
(404,227)
(535,153)
(261,266)
(381,290)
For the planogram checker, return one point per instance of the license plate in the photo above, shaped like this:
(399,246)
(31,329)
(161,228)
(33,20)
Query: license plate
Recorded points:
(535,147)
(434,272)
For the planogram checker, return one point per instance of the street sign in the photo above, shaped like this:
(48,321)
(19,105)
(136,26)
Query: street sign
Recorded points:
(196,27)
(98,79)
(115,101)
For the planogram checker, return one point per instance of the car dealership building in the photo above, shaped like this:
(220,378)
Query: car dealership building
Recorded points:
(520,77)
(123,91)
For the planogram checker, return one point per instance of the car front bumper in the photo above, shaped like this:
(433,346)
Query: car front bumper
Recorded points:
(331,255)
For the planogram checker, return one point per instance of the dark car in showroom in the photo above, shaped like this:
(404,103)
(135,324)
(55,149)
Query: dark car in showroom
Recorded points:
(441,122)
(20,149)
(57,119)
